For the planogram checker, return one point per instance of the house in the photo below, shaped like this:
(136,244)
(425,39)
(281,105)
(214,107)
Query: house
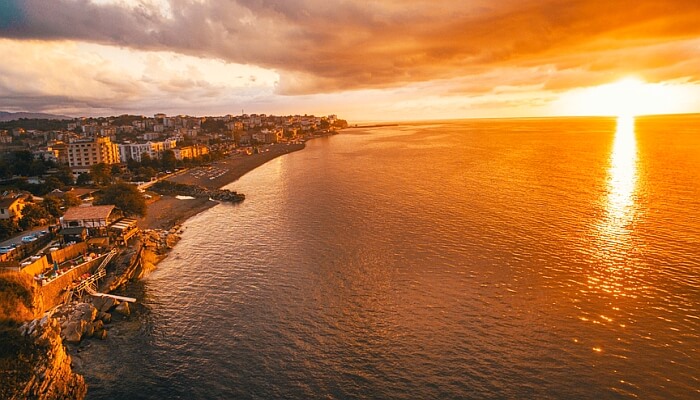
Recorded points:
(11,207)
(95,218)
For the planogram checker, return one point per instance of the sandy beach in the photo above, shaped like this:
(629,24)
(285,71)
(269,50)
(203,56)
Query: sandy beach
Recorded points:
(166,211)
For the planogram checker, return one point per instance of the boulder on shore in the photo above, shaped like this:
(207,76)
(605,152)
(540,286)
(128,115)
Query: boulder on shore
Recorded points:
(105,317)
(73,331)
(123,309)
(104,304)
(97,325)
(100,334)
(84,312)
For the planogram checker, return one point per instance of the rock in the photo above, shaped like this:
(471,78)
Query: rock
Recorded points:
(42,369)
(123,309)
(89,330)
(104,304)
(98,325)
(74,331)
(84,312)
(100,334)
(106,318)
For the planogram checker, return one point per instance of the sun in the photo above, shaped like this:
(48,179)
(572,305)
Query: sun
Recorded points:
(627,97)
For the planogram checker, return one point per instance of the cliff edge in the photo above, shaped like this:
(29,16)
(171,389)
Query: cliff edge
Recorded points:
(34,363)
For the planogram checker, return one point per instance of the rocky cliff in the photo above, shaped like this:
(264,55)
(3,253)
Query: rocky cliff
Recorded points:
(34,363)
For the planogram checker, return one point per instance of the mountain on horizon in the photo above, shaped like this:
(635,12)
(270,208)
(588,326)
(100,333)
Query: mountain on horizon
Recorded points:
(10,116)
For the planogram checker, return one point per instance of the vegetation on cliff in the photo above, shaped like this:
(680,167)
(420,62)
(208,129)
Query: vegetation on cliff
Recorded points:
(18,297)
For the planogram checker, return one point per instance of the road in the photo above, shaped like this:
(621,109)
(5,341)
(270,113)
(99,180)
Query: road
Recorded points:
(17,239)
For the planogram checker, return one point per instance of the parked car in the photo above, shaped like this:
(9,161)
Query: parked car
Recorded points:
(6,249)
(28,239)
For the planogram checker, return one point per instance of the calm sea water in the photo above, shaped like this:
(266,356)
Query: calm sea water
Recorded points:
(555,258)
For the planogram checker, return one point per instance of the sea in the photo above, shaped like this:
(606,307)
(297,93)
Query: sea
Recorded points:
(475,259)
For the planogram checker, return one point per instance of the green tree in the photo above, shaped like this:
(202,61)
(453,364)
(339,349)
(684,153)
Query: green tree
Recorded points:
(124,196)
(101,174)
(8,227)
(84,179)
(146,160)
(22,162)
(115,170)
(33,215)
(146,173)
(52,183)
(65,175)
(169,161)
(70,199)
(52,205)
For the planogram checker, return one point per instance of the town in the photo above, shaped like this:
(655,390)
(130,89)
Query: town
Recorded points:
(72,159)
(72,190)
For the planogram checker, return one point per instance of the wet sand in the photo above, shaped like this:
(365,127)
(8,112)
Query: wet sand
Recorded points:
(165,211)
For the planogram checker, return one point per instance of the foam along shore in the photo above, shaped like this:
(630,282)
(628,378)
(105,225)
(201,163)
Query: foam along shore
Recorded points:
(168,211)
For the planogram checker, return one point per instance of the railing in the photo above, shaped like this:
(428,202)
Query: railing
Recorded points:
(108,258)
(89,285)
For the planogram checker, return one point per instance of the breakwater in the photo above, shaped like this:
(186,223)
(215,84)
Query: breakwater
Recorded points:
(181,189)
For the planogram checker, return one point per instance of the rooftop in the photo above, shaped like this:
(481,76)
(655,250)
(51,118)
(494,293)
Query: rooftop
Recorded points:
(90,212)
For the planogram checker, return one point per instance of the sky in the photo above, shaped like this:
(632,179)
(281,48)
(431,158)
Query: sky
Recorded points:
(363,60)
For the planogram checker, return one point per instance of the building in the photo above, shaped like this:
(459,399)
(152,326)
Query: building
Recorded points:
(5,137)
(95,219)
(82,154)
(134,151)
(190,152)
(11,207)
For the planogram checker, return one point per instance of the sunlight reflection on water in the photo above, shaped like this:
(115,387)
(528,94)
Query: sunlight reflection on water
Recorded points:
(613,232)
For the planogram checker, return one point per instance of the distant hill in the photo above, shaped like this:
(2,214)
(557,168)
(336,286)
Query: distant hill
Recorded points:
(9,116)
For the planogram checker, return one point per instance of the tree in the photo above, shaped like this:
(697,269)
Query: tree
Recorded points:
(52,183)
(70,199)
(146,160)
(116,170)
(52,205)
(33,215)
(169,161)
(65,175)
(84,179)
(8,227)
(101,174)
(125,197)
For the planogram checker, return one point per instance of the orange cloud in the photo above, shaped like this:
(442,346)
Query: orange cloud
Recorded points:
(318,47)
(322,47)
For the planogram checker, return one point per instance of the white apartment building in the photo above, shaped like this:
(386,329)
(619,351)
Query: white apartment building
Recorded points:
(134,151)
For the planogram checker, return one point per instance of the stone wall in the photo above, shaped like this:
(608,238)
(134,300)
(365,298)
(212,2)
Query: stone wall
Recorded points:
(55,291)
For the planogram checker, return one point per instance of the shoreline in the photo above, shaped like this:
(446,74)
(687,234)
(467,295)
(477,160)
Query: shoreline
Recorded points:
(165,212)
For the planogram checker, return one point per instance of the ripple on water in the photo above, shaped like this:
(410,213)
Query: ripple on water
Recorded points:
(383,265)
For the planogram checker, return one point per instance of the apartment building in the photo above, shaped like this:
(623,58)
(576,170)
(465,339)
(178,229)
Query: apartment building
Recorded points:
(84,153)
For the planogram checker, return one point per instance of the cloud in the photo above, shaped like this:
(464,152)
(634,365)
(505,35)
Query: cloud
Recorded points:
(73,77)
(198,55)
(319,46)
